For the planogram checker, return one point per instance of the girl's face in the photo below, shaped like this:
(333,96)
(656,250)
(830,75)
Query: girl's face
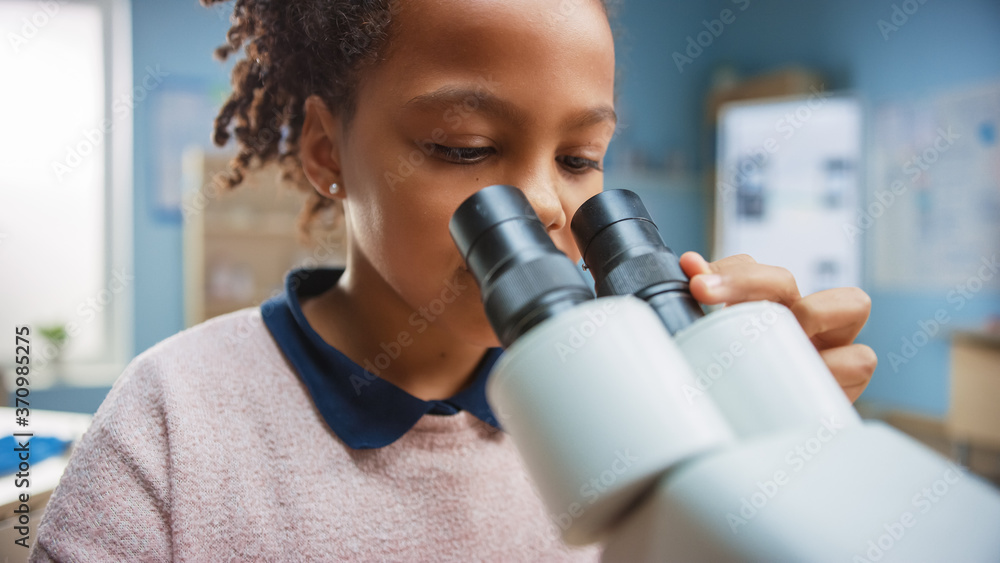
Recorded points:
(471,93)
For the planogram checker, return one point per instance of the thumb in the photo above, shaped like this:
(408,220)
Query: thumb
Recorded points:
(693,264)
(702,288)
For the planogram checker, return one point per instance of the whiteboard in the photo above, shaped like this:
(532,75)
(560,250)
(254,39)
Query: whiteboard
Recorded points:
(787,184)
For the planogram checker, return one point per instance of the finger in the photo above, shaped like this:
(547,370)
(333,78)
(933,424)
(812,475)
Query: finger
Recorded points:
(852,366)
(854,392)
(833,317)
(724,263)
(736,281)
(693,263)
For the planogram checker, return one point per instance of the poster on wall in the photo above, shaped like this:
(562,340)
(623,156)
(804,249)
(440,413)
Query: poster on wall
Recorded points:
(182,114)
(788,174)
(933,208)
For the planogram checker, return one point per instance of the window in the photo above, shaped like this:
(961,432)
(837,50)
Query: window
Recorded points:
(65,185)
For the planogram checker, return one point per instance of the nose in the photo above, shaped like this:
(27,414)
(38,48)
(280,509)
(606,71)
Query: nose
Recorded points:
(545,198)
(542,192)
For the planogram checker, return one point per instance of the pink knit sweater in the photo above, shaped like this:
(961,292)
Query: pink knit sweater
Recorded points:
(208,448)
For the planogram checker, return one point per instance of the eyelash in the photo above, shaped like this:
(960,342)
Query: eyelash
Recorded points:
(585,164)
(466,156)
(463,155)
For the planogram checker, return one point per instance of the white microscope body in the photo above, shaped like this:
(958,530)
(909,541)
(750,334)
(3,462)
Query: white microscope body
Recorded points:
(728,441)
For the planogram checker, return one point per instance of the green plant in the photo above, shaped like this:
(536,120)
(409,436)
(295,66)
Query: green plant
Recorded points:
(56,334)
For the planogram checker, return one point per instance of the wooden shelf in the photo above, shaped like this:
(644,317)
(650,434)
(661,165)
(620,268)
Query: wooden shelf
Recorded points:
(242,243)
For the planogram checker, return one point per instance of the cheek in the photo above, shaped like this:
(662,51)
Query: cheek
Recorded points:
(401,229)
(403,233)
(430,279)
(407,241)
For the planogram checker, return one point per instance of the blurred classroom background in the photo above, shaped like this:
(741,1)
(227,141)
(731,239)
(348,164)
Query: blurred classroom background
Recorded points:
(853,141)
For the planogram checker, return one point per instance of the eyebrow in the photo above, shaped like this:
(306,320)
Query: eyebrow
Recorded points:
(493,106)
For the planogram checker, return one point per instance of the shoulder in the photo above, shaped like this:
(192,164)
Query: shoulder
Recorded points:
(233,342)
(226,338)
(210,386)
(223,361)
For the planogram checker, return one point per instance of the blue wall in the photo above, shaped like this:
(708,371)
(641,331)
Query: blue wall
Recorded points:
(944,45)
(180,37)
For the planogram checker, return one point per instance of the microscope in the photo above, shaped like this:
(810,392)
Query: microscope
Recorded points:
(671,435)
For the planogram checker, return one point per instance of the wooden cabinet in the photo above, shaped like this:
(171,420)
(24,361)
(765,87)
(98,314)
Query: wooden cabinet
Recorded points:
(239,244)
(974,413)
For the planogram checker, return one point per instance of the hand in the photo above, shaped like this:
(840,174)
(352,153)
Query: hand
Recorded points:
(831,318)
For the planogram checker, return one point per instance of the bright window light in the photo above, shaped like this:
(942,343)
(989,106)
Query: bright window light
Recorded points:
(54,182)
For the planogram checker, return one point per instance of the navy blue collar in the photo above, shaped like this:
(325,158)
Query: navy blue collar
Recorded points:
(364,410)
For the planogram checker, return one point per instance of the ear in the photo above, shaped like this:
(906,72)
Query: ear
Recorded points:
(319,147)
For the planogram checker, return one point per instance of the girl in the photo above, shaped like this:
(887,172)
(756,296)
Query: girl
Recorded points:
(346,418)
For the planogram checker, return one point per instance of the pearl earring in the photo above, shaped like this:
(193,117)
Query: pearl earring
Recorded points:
(334,188)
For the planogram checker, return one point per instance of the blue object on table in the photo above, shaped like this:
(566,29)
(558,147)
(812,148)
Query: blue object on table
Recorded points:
(39,448)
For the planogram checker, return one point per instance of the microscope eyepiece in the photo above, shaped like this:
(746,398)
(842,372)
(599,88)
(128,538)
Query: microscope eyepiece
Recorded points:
(623,250)
(523,277)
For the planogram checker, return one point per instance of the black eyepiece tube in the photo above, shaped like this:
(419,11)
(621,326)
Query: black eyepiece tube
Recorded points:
(623,250)
(524,279)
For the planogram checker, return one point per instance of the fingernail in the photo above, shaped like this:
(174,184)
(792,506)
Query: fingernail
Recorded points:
(711,281)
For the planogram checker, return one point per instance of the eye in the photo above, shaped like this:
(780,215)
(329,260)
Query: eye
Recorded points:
(578,164)
(463,155)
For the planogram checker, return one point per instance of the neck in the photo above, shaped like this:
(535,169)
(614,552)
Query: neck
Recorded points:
(364,318)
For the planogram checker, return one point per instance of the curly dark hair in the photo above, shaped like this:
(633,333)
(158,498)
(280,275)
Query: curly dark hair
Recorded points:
(294,49)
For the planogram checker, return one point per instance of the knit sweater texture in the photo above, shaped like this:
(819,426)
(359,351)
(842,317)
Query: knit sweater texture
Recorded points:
(209,448)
